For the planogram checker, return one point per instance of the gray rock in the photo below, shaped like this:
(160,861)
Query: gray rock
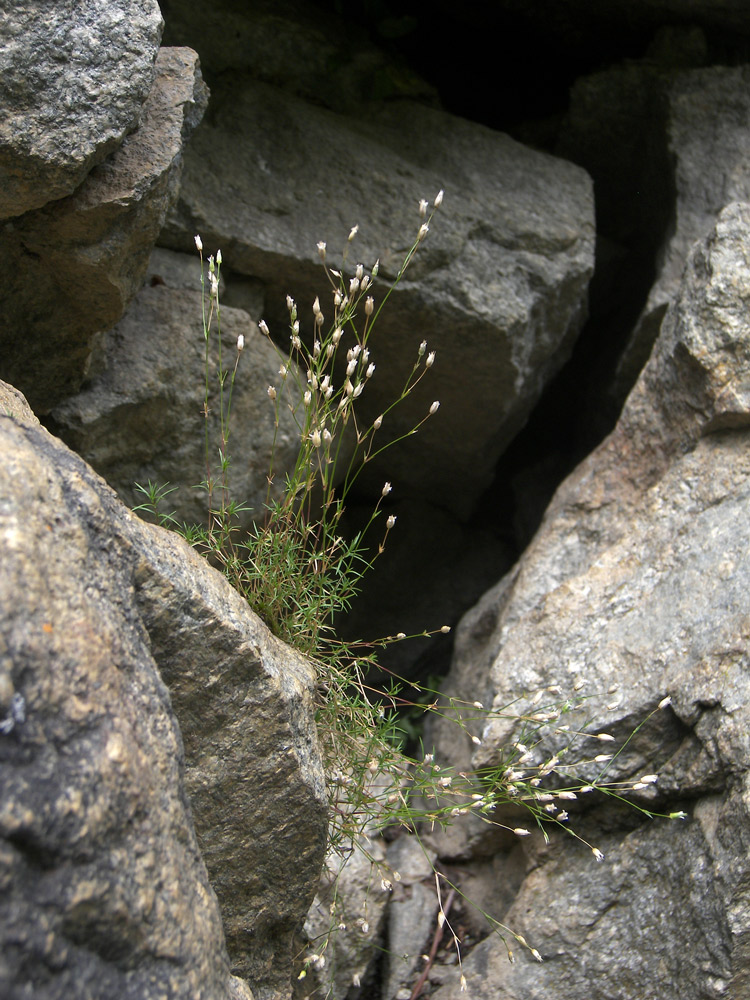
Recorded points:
(412,914)
(105,892)
(708,147)
(344,928)
(304,48)
(80,260)
(636,584)
(499,286)
(140,416)
(73,80)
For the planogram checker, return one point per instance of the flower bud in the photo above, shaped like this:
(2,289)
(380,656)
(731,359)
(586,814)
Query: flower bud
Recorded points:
(430,360)
(438,199)
(198,243)
(322,250)
(391,521)
(377,422)
(271,392)
(435,407)
(241,343)
(369,305)
(353,233)
(422,209)
(218,257)
(386,490)
(263,327)
(423,231)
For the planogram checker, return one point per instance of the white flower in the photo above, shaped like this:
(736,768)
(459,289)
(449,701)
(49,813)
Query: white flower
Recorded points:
(370,370)
(422,208)
(521,831)
(605,737)
(218,257)
(354,286)
(271,392)
(391,521)
(435,407)
(423,231)
(597,854)
(241,343)
(665,702)
(475,739)
(386,489)
(438,199)
(198,243)
(649,779)
(430,360)
(315,438)
(263,327)
(322,250)
(353,233)
(377,423)
(369,305)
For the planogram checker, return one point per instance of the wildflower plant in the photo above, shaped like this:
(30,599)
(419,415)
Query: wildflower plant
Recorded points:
(299,571)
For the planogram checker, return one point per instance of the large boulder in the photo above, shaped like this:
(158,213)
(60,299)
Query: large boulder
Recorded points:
(73,80)
(707,145)
(105,892)
(498,288)
(79,261)
(299,46)
(140,415)
(636,588)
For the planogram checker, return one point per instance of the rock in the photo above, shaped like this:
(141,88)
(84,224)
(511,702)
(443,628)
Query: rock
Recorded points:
(140,418)
(498,288)
(412,914)
(708,149)
(80,260)
(345,925)
(295,45)
(105,892)
(636,585)
(74,79)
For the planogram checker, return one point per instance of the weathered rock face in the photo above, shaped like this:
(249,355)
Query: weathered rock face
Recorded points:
(498,289)
(140,416)
(73,82)
(707,141)
(105,892)
(296,45)
(79,261)
(637,584)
